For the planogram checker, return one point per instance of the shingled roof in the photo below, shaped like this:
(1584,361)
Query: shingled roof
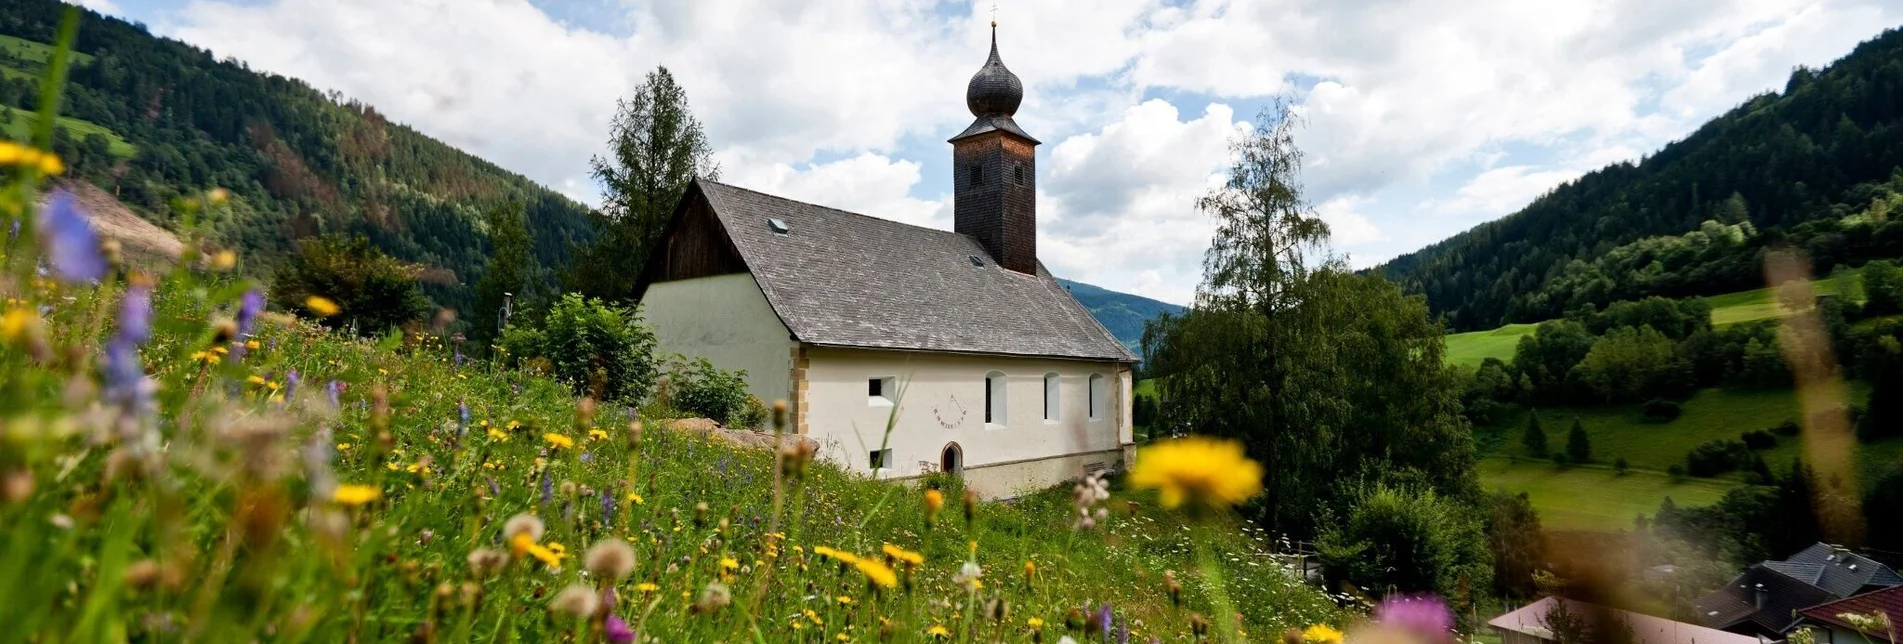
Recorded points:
(1888,601)
(838,278)
(1735,607)
(1840,571)
(1532,619)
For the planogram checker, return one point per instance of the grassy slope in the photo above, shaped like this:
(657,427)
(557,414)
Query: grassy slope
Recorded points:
(1619,430)
(1469,349)
(1595,498)
(464,494)
(36,52)
(1472,348)
(17,124)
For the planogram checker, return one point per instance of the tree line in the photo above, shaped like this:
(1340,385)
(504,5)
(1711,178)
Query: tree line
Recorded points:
(1794,166)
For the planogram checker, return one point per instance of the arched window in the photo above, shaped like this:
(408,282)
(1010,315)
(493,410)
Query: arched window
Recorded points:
(994,400)
(1053,402)
(1099,397)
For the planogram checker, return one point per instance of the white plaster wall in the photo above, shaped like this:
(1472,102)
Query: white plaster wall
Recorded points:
(944,403)
(725,319)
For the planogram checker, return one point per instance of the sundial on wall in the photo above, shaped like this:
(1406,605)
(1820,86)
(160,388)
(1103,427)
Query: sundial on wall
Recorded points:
(940,413)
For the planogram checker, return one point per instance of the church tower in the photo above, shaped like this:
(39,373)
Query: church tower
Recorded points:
(994,172)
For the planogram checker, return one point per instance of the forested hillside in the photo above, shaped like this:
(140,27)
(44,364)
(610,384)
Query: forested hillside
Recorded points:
(149,119)
(1816,166)
(1122,314)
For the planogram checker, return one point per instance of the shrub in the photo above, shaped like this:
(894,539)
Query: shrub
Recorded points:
(702,389)
(753,416)
(1715,457)
(1619,465)
(1659,410)
(1676,471)
(597,349)
(1578,445)
(1409,538)
(372,291)
(1758,439)
(1787,428)
(1535,438)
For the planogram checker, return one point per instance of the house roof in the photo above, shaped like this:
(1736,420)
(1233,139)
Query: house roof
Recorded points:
(1736,603)
(838,278)
(1646,629)
(1842,572)
(1888,601)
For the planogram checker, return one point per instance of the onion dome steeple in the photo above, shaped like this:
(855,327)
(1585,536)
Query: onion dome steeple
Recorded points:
(994,90)
(993,95)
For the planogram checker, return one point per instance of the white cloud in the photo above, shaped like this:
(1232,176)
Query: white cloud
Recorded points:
(102,6)
(1500,191)
(1346,225)
(1421,117)
(1117,204)
(868,184)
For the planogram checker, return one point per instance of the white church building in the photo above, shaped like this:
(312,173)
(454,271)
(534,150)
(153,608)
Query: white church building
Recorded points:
(996,372)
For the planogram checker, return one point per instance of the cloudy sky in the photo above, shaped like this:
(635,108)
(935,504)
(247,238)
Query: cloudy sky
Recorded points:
(1421,117)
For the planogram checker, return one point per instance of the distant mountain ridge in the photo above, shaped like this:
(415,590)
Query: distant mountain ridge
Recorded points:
(1803,167)
(151,119)
(1122,314)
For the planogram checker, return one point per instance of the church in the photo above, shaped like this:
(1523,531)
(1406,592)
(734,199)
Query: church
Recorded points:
(995,372)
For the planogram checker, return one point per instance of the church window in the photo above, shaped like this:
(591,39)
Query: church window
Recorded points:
(1099,396)
(977,173)
(994,401)
(1017,172)
(880,459)
(880,391)
(1052,400)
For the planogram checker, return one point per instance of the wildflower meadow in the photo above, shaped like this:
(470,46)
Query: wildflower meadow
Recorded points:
(179,462)
(182,464)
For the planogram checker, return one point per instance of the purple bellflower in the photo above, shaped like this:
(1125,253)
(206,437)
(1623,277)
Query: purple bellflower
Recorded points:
(67,238)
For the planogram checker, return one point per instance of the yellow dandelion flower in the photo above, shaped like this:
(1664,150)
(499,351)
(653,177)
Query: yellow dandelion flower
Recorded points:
(496,434)
(902,555)
(647,587)
(728,563)
(1208,472)
(636,498)
(514,424)
(15,324)
(343,447)
(224,260)
(355,494)
(938,631)
(1034,623)
(520,543)
(392,466)
(1322,633)
(558,548)
(220,350)
(549,556)
(596,434)
(50,164)
(877,571)
(256,380)
(558,441)
(322,306)
(252,345)
(844,600)
(11,152)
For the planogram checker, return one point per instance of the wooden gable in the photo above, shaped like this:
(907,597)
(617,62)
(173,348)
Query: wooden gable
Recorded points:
(695,245)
